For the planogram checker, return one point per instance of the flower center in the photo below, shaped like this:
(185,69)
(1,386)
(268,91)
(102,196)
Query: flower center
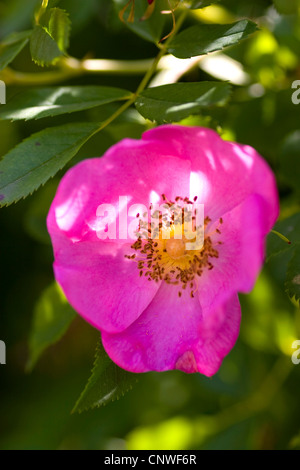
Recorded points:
(175,248)
(162,252)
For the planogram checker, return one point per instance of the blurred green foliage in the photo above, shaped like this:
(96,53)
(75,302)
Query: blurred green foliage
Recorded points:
(252,403)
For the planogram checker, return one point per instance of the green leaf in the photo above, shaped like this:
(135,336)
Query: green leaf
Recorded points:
(58,25)
(50,39)
(11,46)
(107,383)
(292,283)
(174,102)
(38,158)
(290,228)
(205,38)
(43,102)
(44,50)
(289,160)
(52,317)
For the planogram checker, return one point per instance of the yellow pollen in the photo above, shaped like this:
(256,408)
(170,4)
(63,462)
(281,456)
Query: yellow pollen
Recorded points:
(175,248)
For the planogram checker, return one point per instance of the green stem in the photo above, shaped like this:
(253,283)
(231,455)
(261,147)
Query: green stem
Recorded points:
(163,49)
(41,11)
(115,115)
(281,236)
(12,77)
(70,67)
(147,77)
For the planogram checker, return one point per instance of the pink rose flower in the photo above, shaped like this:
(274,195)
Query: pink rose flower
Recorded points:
(159,306)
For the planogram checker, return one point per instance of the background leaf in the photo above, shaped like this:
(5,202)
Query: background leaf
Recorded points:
(11,46)
(46,152)
(169,103)
(205,38)
(287,7)
(290,228)
(107,383)
(292,283)
(42,102)
(290,160)
(52,317)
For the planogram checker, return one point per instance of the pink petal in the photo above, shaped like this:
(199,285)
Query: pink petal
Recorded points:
(172,333)
(136,169)
(219,333)
(223,173)
(103,285)
(241,254)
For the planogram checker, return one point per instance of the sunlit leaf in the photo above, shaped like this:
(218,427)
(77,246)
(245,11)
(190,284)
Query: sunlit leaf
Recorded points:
(174,102)
(50,39)
(58,24)
(43,102)
(107,383)
(205,38)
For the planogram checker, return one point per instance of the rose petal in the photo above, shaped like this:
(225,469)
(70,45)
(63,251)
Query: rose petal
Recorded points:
(172,328)
(141,171)
(240,256)
(101,284)
(223,174)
